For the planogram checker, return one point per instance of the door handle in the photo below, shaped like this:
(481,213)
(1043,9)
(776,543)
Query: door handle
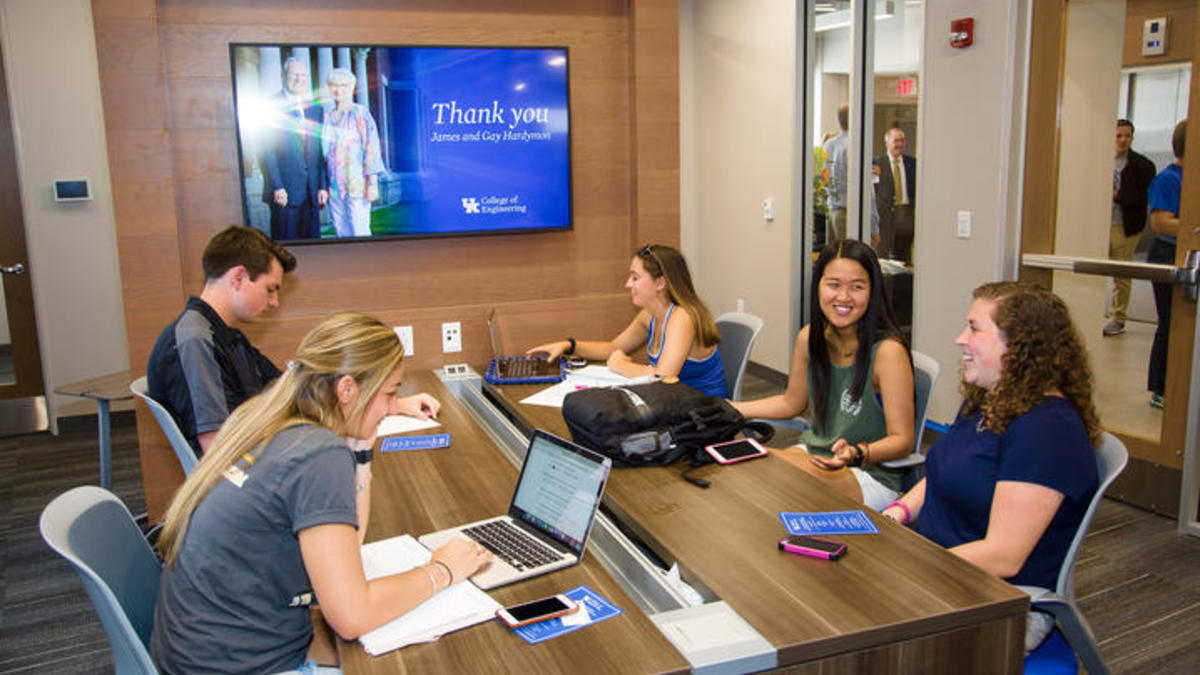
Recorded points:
(18,268)
(1187,275)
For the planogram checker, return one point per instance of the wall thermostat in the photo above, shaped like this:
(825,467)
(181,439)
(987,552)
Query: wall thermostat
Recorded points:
(1154,37)
(72,190)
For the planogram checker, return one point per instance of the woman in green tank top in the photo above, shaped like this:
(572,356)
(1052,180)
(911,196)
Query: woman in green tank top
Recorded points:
(851,351)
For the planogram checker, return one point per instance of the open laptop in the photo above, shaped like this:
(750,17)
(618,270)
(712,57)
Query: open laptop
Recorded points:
(519,369)
(549,519)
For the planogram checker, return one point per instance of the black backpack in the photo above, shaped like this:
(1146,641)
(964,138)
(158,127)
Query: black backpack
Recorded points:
(654,424)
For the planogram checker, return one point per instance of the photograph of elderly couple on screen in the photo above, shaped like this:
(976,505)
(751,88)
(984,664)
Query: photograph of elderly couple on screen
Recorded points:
(342,142)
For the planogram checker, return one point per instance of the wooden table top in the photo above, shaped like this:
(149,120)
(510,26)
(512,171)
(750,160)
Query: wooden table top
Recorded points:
(113,387)
(425,491)
(889,587)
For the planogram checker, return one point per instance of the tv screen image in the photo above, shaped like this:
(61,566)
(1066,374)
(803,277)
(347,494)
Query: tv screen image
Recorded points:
(344,142)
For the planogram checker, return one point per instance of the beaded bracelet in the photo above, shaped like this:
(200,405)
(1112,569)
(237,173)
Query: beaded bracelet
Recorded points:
(903,507)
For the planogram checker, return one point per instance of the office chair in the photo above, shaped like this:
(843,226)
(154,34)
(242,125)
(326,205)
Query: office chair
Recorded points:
(92,529)
(184,451)
(925,374)
(738,333)
(1111,458)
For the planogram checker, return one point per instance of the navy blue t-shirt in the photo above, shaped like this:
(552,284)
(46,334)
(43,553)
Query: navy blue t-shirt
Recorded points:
(1048,445)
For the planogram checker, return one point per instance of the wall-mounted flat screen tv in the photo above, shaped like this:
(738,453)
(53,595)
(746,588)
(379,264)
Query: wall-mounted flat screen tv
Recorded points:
(342,142)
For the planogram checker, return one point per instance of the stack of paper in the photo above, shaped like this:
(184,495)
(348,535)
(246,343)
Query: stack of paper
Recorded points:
(591,376)
(457,607)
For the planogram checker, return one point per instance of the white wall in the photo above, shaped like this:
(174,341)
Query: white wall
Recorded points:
(971,129)
(54,90)
(737,87)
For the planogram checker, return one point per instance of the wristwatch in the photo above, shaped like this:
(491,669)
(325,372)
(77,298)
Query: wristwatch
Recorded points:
(363,456)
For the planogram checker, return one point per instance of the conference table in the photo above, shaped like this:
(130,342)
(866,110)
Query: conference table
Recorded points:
(424,491)
(895,603)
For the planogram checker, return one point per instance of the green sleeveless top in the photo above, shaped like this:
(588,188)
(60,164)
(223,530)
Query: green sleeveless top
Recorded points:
(855,421)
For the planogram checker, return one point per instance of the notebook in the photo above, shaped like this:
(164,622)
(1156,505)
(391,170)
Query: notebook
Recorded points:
(519,369)
(550,517)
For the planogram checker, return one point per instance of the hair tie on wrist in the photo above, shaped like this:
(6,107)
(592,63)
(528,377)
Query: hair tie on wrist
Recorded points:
(858,457)
(903,507)
(571,347)
(449,572)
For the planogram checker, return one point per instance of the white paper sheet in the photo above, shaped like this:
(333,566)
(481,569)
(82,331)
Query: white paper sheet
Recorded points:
(591,376)
(457,607)
(399,424)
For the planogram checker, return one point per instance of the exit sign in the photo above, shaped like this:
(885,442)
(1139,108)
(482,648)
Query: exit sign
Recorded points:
(906,86)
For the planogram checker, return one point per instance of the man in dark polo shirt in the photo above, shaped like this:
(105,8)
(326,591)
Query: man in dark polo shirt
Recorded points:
(202,367)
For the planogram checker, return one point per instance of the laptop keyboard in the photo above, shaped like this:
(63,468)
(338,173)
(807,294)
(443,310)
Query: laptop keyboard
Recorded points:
(520,368)
(512,545)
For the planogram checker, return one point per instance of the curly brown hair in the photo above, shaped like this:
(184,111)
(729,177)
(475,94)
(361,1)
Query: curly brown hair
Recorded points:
(1043,352)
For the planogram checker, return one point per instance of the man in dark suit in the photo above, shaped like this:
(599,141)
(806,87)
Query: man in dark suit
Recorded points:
(295,183)
(1132,174)
(896,195)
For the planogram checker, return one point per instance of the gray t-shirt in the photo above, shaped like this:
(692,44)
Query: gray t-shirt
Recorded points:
(237,598)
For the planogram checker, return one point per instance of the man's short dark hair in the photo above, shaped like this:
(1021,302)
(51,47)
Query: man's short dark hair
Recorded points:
(1179,138)
(245,246)
(1125,123)
(843,115)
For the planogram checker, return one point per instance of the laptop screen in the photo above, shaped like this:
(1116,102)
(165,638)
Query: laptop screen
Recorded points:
(560,489)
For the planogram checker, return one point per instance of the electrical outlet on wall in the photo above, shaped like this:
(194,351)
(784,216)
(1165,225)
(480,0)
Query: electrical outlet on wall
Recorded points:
(405,333)
(451,337)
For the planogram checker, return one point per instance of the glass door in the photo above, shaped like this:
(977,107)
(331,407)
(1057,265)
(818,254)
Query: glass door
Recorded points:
(1120,228)
(859,61)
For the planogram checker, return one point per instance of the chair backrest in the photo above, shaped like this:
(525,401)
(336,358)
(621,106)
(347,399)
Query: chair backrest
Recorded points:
(183,450)
(925,374)
(92,529)
(738,333)
(1111,458)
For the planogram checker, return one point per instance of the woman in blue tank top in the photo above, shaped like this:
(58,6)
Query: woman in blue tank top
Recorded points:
(850,352)
(678,344)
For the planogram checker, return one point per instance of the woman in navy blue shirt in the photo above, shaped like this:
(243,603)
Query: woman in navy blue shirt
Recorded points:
(1009,483)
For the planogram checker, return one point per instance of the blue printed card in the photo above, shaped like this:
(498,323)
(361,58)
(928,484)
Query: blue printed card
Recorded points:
(596,607)
(828,522)
(428,442)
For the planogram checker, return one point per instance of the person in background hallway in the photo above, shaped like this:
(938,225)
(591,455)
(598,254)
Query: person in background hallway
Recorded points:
(202,366)
(1008,485)
(835,152)
(682,345)
(295,184)
(896,194)
(1132,174)
(852,350)
(350,142)
(1164,220)
(271,521)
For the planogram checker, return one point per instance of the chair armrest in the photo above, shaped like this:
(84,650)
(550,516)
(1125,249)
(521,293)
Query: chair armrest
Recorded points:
(908,461)
(793,423)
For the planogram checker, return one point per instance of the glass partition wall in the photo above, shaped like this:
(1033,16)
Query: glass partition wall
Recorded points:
(859,96)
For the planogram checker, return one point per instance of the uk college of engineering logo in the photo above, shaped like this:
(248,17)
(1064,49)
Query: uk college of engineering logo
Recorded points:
(470,205)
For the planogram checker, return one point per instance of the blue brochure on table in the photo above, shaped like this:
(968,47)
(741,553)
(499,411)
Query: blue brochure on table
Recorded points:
(596,607)
(828,522)
(428,442)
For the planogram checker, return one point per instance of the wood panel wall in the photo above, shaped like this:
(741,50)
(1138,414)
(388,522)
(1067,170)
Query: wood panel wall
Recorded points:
(1181,30)
(166,85)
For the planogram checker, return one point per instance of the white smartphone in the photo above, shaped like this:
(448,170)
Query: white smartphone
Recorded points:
(735,451)
(538,610)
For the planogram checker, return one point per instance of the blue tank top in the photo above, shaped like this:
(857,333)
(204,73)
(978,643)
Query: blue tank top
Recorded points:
(706,375)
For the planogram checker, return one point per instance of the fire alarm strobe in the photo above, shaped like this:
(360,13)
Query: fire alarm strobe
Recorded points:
(962,32)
